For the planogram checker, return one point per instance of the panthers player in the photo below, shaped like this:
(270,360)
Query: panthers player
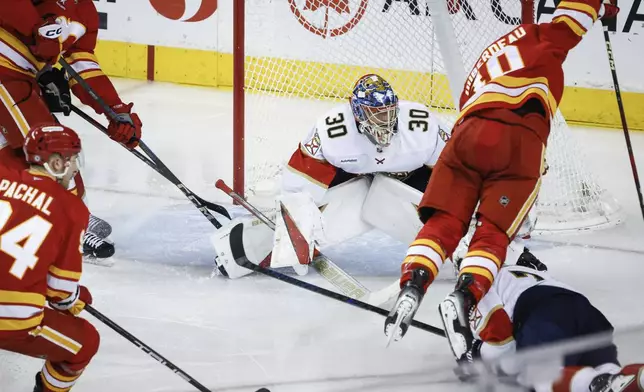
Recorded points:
(526,308)
(365,164)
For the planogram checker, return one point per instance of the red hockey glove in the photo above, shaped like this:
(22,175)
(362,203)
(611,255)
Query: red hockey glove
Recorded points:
(126,129)
(76,303)
(609,10)
(46,45)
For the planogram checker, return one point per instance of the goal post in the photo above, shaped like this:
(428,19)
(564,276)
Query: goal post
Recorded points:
(294,59)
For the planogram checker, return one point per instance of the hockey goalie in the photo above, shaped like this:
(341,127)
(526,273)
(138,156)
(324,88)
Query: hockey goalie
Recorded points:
(365,164)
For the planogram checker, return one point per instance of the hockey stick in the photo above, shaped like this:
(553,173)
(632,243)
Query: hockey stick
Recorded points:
(622,115)
(145,348)
(239,255)
(212,206)
(322,264)
(160,167)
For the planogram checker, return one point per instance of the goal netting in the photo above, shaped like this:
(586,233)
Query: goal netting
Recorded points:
(303,56)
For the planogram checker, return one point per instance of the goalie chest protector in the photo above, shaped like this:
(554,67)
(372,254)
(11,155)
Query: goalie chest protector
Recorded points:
(417,142)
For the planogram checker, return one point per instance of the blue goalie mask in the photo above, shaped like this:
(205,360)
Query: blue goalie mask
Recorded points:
(375,107)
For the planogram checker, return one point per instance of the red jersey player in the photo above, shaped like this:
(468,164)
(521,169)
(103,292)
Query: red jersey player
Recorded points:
(33,35)
(41,234)
(495,159)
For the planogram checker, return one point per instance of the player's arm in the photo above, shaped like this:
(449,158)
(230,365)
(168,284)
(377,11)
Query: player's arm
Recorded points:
(63,289)
(493,334)
(80,55)
(571,21)
(21,15)
(307,170)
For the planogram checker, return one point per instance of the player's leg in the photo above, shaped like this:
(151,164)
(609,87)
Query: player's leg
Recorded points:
(446,209)
(509,191)
(67,344)
(509,159)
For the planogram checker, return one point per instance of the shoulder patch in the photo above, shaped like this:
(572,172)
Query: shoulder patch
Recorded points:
(313,146)
(443,135)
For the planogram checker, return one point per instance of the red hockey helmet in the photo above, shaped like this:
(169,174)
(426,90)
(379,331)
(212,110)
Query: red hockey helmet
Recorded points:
(44,140)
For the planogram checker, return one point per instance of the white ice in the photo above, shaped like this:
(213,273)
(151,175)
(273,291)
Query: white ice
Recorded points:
(253,332)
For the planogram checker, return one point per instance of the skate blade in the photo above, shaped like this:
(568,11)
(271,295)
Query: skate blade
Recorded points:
(107,262)
(449,315)
(394,330)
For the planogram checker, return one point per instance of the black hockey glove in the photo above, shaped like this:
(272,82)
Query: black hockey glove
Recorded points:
(529,260)
(465,371)
(55,90)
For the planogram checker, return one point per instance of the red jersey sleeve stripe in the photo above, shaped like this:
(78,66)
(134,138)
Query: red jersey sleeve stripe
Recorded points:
(497,328)
(590,8)
(317,171)
(571,23)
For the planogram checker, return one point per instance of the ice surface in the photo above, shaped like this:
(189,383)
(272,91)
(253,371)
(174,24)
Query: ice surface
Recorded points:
(244,334)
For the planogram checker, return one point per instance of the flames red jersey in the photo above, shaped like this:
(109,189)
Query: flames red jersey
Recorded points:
(41,231)
(527,62)
(79,21)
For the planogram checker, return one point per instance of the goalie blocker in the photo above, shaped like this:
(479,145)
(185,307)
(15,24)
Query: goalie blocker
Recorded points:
(346,211)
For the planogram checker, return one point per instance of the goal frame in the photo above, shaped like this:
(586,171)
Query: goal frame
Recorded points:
(239,57)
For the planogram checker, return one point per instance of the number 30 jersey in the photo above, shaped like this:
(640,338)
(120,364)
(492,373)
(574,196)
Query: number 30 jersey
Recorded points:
(41,233)
(527,62)
(335,142)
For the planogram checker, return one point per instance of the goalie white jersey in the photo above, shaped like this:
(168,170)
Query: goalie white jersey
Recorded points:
(335,142)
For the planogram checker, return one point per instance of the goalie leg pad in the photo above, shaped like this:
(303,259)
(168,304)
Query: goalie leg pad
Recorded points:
(390,206)
(341,208)
(298,225)
(257,240)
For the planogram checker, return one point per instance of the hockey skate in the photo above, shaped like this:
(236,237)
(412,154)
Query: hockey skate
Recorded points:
(610,382)
(455,313)
(401,315)
(97,250)
(99,227)
(38,387)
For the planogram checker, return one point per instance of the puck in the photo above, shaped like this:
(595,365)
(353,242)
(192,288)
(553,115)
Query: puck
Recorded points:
(262,390)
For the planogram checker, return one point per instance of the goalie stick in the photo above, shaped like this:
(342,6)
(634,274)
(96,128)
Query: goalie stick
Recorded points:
(159,166)
(237,248)
(322,264)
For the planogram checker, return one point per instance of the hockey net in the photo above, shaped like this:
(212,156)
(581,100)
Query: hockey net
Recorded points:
(303,56)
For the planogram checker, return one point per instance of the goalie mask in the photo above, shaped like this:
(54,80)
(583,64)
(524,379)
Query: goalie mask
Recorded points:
(375,107)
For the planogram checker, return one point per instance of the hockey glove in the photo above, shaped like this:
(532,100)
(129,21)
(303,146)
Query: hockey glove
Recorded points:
(527,259)
(465,372)
(126,128)
(55,90)
(46,46)
(75,303)
(608,10)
